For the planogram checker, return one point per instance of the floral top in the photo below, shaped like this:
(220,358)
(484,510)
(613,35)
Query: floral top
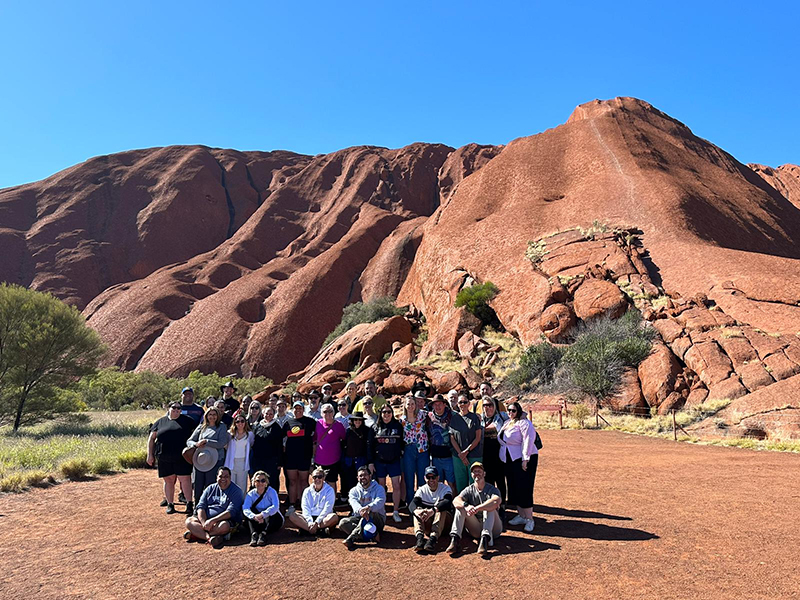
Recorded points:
(416,433)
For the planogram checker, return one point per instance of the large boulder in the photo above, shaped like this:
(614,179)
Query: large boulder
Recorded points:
(451,330)
(628,397)
(658,374)
(556,321)
(598,297)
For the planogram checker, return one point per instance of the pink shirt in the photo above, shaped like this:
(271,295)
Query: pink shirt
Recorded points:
(517,439)
(329,442)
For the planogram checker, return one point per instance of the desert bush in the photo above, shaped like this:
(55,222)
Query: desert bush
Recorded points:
(537,365)
(476,298)
(76,469)
(102,466)
(133,460)
(364,312)
(580,412)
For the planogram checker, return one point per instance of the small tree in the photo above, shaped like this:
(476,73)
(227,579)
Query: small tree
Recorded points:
(364,312)
(476,298)
(44,344)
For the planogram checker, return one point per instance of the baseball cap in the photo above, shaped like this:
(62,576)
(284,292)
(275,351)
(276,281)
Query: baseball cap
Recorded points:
(187,389)
(431,471)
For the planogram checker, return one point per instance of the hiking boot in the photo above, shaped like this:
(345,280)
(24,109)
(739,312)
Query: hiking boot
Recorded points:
(216,541)
(262,539)
(420,545)
(163,503)
(430,545)
(455,546)
(181,498)
(171,508)
(483,546)
(254,540)
(189,508)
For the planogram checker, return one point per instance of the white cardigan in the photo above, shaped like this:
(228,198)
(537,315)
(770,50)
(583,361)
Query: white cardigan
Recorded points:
(229,453)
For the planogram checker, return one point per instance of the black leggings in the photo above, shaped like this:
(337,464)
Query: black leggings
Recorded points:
(270,525)
(520,481)
(495,468)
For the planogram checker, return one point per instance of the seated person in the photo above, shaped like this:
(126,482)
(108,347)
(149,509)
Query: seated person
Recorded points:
(316,514)
(432,509)
(219,508)
(367,499)
(262,510)
(476,507)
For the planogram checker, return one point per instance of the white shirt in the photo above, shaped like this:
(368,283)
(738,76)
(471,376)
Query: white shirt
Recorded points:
(241,447)
(316,505)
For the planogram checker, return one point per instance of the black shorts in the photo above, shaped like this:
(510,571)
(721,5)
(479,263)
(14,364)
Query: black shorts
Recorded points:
(173,465)
(297,463)
(332,472)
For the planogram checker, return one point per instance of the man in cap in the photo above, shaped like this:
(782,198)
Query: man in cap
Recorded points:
(432,508)
(231,403)
(219,508)
(312,410)
(476,508)
(327,395)
(189,408)
(368,500)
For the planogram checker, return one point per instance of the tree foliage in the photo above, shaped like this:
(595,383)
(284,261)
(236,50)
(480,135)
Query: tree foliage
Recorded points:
(476,298)
(364,312)
(44,345)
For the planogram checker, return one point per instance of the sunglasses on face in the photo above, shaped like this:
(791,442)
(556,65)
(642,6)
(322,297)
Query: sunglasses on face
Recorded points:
(512,410)
(261,481)
(240,421)
(316,477)
(462,402)
(327,412)
(341,404)
(431,477)
(175,407)
(254,408)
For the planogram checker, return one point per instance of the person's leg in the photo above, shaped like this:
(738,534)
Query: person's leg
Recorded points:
(169,488)
(348,524)
(526,488)
(298,521)
(379,520)
(196,528)
(331,520)
(422,462)
(186,485)
(294,481)
(461,474)
(441,523)
(419,526)
(273,524)
(199,485)
(302,484)
(474,525)
(396,494)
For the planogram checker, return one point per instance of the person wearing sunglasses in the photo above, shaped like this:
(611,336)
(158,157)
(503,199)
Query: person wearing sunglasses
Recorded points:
(283,415)
(389,444)
(432,510)
(415,452)
(492,419)
(237,453)
(520,456)
(211,433)
(371,393)
(267,453)
(329,439)
(316,515)
(370,416)
(466,438)
(254,413)
(262,510)
(167,440)
(359,450)
(343,416)
(313,409)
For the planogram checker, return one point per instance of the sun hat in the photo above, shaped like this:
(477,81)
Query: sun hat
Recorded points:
(205,458)
(227,385)
(357,415)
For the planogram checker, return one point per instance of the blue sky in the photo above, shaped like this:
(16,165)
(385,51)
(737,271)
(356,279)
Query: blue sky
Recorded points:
(80,79)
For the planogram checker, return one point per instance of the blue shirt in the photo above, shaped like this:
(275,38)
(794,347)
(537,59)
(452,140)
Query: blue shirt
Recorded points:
(268,506)
(216,501)
(193,411)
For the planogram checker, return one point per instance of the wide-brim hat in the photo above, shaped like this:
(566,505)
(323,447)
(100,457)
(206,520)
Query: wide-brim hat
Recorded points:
(205,459)
(357,415)
(227,385)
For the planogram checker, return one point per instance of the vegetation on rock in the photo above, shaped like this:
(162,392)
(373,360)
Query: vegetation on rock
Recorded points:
(476,298)
(364,312)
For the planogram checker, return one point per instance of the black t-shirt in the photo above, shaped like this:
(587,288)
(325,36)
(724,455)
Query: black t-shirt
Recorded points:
(172,434)
(300,437)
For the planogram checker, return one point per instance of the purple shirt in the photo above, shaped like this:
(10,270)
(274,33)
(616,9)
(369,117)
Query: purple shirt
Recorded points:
(329,442)
(517,439)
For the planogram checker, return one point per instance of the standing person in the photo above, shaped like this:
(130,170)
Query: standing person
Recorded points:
(368,500)
(466,437)
(359,450)
(247,400)
(351,395)
(209,403)
(476,508)
(370,392)
(209,440)
(330,436)
(219,508)
(415,452)
(262,510)
(343,416)
(283,415)
(388,454)
(421,399)
(189,408)
(370,416)
(492,420)
(518,452)
(267,453)
(254,413)
(452,399)
(432,509)
(231,403)
(316,507)
(439,439)
(299,449)
(237,454)
(486,389)
(327,395)
(226,418)
(313,405)
(169,435)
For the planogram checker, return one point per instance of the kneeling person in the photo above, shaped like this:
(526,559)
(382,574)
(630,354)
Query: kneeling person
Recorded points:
(368,500)
(476,507)
(432,509)
(219,508)
(316,514)
(262,510)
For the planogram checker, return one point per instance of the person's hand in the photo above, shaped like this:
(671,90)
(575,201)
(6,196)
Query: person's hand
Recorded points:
(428,514)
(260,518)
(364,512)
(465,461)
(463,452)
(202,443)
(372,470)
(313,528)
(150,460)
(524,465)
(471,511)
(208,525)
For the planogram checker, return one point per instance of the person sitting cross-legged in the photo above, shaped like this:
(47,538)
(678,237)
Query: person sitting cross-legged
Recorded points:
(219,508)
(432,509)
(262,509)
(367,499)
(476,508)
(317,514)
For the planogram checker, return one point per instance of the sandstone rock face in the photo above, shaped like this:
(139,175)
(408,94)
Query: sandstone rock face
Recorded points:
(448,334)
(556,321)
(658,374)
(629,397)
(596,297)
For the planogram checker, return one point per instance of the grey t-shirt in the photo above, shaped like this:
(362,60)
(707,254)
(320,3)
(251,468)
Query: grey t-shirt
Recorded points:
(464,429)
(472,497)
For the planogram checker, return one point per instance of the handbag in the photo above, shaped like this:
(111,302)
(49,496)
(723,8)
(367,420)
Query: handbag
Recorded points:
(538,441)
(188,454)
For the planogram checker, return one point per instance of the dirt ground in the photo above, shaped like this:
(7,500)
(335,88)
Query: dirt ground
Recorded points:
(617,516)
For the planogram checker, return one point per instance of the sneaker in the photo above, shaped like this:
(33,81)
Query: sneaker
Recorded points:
(483,546)
(397,518)
(171,508)
(181,498)
(262,539)
(189,537)
(455,545)
(420,545)
(216,541)
(529,524)
(290,511)
(349,542)
(163,503)
(518,520)
(254,540)
(189,508)
(430,545)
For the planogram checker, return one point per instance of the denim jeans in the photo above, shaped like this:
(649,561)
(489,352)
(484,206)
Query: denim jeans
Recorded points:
(445,467)
(414,463)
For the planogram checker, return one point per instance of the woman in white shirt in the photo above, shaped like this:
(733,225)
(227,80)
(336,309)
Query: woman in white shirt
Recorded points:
(262,510)
(237,456)
(317,515)
(518,452)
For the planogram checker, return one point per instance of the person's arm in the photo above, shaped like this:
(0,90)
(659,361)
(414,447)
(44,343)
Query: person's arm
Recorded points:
(247,507)
(306,507)
(528,436)
(445,503)
(195,437)
(461,454)
(202,504)
(251,438)
(370,448)
(352,497)
(458,502)
(477,441)
(326,506)
(220,439)
(379,500)
(491,504)
(151,444)
(274,503)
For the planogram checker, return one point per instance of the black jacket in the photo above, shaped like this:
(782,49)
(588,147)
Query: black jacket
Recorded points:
(388,441)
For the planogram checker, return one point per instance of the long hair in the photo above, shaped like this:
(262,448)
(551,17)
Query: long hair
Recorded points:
(233,430)
(205,418)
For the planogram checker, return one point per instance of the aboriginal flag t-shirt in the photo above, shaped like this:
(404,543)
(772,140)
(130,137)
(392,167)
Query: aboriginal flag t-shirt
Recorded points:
(300,437)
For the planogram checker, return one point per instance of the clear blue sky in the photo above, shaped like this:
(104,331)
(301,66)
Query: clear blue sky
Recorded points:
(80,79)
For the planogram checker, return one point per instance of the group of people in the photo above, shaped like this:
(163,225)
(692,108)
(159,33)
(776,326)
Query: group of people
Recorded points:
(454,462)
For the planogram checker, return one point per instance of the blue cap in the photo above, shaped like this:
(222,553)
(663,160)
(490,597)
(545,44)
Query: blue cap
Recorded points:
(431,471)
(187,389)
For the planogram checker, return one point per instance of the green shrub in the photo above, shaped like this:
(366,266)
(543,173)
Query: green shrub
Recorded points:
(476,298)
(102,466)
(364,312)
(537,365)
(76,469)
(133,460)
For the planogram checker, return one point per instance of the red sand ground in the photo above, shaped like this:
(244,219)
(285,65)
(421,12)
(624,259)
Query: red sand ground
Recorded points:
(618,516)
